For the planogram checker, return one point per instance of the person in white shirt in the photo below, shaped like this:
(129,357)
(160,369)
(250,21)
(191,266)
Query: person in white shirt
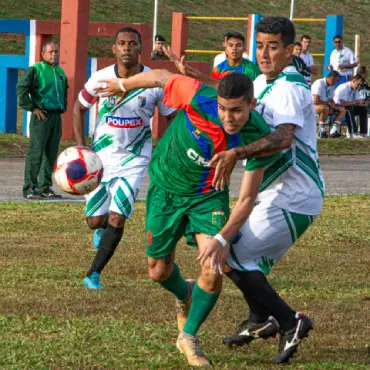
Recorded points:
(343,60)
(348,96)
(222,57)
(307,57)
(322,92)
(123,141)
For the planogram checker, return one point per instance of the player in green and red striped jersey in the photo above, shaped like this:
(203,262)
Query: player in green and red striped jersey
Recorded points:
(181,199)
(235,62)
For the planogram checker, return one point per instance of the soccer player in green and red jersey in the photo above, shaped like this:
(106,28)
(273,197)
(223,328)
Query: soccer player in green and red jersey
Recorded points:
(235,62)
(181,199)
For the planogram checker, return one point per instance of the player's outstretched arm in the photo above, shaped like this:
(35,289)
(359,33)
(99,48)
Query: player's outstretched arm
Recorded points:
(187,70)
(144,80)
(251,183)
(79,122)
(272,143)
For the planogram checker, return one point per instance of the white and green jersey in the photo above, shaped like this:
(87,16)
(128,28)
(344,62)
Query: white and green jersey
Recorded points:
(122,135)
(295,182)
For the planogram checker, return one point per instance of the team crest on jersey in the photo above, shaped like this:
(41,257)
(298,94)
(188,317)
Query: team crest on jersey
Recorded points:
(260,108)
(197,133)
(141,101)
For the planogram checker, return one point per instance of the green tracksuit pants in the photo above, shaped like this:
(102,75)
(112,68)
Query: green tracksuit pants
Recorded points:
(43,151)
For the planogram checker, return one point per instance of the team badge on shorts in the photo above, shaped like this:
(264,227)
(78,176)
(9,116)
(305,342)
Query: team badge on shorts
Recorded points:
(218,218)
(141,101)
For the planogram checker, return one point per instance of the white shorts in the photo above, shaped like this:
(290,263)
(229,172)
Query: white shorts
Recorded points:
(265,237)
(118,195)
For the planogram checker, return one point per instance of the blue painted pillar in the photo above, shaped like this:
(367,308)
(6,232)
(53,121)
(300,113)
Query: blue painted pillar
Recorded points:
(253,19)
(8,100)
(334,27)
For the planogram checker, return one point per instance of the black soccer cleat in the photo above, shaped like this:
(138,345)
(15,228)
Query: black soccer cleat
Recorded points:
(249,331)
(290,340)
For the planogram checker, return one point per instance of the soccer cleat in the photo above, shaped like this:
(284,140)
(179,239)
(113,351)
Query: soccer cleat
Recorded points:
(93,281)
(290,340)
(97,237)
(323,135)
(32,194)
(50,194)
(336,135)
(189,346)
(249,331)
(183,307)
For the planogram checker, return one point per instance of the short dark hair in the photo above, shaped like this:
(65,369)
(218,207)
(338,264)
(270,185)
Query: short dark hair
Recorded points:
(305,37)
(361,69)
(357,77)
(278,25)
(236,85)
(297,44)
(338,37)
(235,35)
(334,74)
(129,29)
(44,46)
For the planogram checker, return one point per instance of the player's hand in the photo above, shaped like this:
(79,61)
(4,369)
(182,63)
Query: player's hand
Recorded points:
(217,255)
(341,66)
(330,67)
(224,163)
(40,114)
(180,63)
(110,87)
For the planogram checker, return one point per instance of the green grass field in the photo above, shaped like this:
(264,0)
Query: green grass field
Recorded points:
(49,321)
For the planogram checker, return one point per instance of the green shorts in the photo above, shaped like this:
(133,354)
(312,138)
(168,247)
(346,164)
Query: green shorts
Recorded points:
(170,216)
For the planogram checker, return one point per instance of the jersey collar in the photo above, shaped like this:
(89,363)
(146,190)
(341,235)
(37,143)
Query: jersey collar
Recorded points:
(116,70)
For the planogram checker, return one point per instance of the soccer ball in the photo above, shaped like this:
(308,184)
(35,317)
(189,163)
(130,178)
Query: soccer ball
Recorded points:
(78,170)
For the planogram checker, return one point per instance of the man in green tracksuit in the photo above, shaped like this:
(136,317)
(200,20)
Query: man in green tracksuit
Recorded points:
(42,90)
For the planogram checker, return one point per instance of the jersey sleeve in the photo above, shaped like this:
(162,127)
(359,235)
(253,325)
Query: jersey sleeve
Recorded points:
(261,162)
(316,89)
(179,91)
(288,106)
(87,95)
(216,74)
(164,110)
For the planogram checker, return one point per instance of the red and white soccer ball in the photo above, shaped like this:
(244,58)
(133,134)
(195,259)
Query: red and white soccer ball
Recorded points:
(78,170)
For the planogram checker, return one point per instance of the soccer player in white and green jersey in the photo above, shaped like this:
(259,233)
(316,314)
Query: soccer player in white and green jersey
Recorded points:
(290,198)
(123,140)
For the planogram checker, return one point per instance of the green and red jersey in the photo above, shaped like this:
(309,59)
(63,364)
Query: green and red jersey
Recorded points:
(246,67)
(179,162)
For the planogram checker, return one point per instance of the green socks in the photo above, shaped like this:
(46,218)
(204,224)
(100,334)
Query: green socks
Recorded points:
(176,284)
(202,305)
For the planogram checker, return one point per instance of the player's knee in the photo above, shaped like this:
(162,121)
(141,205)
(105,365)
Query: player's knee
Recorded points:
(116,220)
(95,222)
(159,270)
(211,281)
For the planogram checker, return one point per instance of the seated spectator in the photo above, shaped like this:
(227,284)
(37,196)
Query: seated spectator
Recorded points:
(323,92)
(364,91)
(222,57)
(298,63)
(347,95)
